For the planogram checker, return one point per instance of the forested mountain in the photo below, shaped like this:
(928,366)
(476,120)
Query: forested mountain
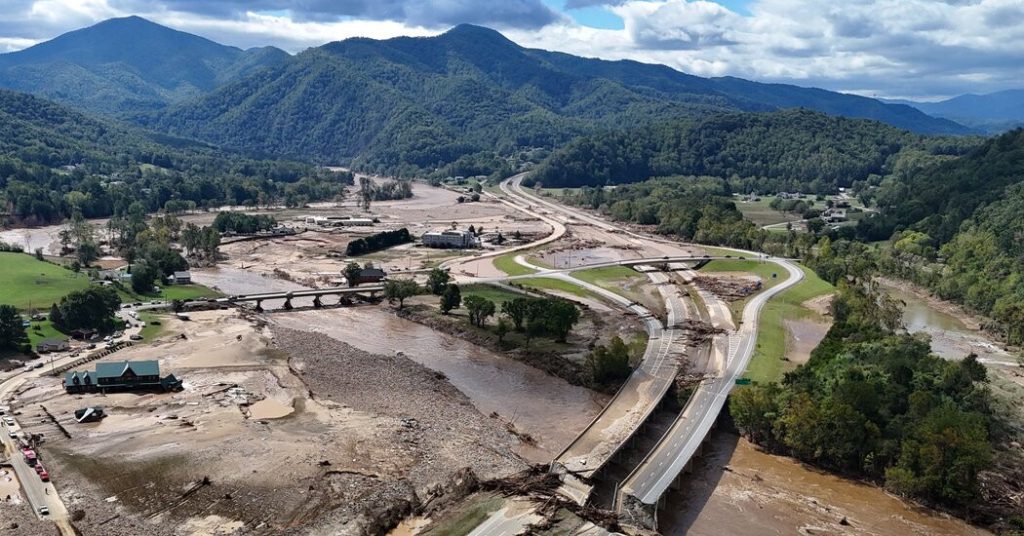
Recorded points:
(412,104)
(794,150)
(994,112)
(960,232)
(937,199)
(127,65)
(54,161)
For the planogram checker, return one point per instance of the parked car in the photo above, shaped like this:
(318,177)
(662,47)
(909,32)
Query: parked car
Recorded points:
(136,337)
(44,511)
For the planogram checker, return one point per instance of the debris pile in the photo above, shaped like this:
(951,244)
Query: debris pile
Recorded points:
(698,332)
(729,288)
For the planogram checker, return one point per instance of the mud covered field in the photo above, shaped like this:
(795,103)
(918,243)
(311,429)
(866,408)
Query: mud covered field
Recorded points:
(275,432)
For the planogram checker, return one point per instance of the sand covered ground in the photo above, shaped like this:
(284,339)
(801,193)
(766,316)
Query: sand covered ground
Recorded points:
(275,431)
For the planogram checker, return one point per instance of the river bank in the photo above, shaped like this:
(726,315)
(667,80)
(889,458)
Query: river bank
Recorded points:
(955,332)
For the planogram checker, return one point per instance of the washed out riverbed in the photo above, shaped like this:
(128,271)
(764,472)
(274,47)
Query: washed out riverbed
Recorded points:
(544,406)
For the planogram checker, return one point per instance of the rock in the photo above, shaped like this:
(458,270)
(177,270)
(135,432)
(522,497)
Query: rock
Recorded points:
(844,522)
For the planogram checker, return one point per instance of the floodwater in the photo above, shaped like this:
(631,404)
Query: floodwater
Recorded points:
(951,337)
(737,489)
(34,238)
(544,406)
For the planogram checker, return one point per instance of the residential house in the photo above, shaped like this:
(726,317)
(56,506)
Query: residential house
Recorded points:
(181,278)
(370,275)
(52,345)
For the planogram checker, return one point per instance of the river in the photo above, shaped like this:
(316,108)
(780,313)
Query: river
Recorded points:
(544,406)
(951,337)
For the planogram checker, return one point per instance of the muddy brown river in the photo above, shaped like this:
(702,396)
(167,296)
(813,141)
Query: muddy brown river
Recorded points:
(546,407)
(951,337)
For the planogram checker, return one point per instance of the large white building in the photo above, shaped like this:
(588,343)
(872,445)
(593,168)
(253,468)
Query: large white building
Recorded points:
(452,238)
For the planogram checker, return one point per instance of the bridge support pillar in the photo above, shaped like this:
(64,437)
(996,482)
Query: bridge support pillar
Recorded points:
(288,304)
(317,303)
(259,306)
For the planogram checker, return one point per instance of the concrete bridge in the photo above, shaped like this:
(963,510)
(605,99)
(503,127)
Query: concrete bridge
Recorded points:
(316,294)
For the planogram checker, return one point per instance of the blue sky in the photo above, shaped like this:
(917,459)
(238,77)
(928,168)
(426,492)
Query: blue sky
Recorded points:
(918,49)
(600,16)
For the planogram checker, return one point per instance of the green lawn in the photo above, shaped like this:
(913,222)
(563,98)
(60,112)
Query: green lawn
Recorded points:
(168,292)
(761,214)
(768,363)
(547,283)
(497,295)
(26,282)
(507,263)
(151,330)
(607,275)
(45,331)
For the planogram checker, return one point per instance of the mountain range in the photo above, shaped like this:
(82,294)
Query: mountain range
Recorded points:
(992,113)
(128,64)
(396,105)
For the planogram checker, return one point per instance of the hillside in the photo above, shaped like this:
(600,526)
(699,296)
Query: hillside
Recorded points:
(128,64)
(795,150)
(412,104)
(54,161)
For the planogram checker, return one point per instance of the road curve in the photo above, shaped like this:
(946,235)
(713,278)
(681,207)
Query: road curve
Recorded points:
(649,481)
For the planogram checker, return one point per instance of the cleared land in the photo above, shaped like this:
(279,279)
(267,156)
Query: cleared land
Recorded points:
(26,282)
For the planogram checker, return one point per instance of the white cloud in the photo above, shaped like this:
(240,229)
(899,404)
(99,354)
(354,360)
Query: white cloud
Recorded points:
(925,48)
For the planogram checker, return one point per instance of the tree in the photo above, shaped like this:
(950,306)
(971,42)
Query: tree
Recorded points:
(451,298)
(480,309)
(55,317)
(93,308)
(352,271)
(144,275)
(12,329)
(366,192)
(501,329)
(87,252)
(400,289)
(516,310)
(437,281)
(609,363)
(559,318)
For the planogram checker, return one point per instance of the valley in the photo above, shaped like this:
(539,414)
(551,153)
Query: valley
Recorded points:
(445,281)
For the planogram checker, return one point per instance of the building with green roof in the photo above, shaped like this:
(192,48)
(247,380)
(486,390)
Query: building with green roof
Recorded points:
(120,376)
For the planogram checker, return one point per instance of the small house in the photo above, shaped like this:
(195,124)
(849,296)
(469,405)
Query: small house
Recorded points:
(181,278)
(52,345)
(370,275)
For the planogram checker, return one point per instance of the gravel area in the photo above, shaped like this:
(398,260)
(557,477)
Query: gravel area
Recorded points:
(440,434)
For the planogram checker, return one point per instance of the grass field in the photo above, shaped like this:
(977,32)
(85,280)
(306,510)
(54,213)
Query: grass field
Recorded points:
(609,275)
(169,292)
(761,214)
(26,282)
(152,329)
(507,263)
(768,363)
(41,331)
(547,283)
(497,295)
(466,517)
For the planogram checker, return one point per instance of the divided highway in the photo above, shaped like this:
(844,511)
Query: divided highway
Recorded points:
(652,478)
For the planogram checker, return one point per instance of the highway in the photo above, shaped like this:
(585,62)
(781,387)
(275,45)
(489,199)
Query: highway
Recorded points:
(650,480)
(729,356)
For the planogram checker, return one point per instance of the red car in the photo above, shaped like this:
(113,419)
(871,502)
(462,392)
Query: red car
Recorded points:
(44,476)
